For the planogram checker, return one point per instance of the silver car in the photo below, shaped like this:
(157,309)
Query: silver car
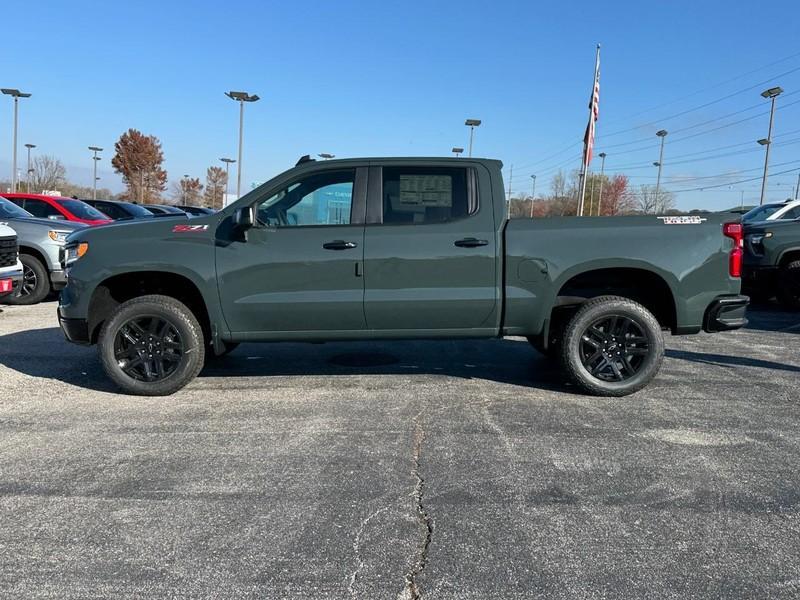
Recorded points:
(39,243)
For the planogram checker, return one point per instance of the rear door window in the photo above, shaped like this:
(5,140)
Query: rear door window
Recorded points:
(422,195)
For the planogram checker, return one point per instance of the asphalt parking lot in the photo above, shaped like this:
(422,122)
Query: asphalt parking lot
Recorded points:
(413,469)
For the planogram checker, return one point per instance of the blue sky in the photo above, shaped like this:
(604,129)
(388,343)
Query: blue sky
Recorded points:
(399,78)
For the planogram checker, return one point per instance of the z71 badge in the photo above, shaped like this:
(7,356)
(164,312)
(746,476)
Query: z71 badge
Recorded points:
(189,228)
(683,220)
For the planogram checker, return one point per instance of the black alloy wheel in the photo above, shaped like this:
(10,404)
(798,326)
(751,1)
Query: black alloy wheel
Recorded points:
(614,348)
(148,348)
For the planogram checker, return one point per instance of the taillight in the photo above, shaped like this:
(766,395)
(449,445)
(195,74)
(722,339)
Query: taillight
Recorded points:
(735,231)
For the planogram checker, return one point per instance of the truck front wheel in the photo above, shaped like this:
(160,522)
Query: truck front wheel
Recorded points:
(152,346)
(612,346)
(789,285)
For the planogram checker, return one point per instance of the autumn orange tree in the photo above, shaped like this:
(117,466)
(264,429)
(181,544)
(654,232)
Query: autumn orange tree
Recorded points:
(216,181)
(138,159)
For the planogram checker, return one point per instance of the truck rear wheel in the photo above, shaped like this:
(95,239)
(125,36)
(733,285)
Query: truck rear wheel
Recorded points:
(152,346)
(612,346)
(35,282)
(789,285)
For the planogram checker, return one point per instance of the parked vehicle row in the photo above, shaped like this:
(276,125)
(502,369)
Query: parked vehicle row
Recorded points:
(391,249)
(42,224)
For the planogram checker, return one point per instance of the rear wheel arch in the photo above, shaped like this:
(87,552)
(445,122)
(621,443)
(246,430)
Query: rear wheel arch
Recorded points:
(643,286)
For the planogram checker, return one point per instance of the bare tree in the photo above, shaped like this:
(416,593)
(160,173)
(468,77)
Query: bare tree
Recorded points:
(48,173)
(216,182)
(651,203)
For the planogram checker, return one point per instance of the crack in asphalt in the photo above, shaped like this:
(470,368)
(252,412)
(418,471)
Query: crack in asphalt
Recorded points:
(357,549)
(411,591)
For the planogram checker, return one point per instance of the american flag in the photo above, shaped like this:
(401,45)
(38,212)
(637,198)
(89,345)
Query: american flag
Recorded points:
(594,109)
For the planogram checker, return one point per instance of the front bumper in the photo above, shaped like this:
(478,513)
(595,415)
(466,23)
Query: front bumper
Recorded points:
(58,279)
(75,330)
(726,313)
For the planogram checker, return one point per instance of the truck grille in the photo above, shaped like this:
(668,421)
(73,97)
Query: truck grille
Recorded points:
(8,251)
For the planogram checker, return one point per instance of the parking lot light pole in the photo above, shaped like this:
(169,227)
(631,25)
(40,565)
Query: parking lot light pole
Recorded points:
(662,134)
(771,93)
(457,151)
(533,192)
(95,158)
(472,124)
(227,162)
(30,169)
(241,98)
(16,94)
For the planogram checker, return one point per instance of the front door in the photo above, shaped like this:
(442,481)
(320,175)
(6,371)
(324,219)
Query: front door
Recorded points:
(430,252)
(300,268)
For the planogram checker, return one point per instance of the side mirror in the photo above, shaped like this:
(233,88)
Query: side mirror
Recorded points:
(57,218)
(244,218)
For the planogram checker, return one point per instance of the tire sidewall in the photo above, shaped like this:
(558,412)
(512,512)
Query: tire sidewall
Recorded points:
(591,313)
(42,282)
(183,321)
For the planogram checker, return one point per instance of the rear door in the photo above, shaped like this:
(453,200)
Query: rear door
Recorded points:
(430,250)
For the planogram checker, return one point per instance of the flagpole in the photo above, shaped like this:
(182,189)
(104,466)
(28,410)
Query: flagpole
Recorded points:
(585,163)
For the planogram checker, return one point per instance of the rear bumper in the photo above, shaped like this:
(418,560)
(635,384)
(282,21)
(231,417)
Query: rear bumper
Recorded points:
(75,330)
(10,280)
(726,313)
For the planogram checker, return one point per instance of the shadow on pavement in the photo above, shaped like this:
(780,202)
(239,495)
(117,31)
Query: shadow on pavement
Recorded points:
(45,353)
(728,360)
(773,317)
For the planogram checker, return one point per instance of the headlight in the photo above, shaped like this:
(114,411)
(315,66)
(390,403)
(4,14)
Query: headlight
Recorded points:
(74,252)
(58,236)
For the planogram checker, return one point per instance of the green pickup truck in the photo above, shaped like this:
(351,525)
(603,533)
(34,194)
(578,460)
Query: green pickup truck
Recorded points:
(772,261)
(391,248)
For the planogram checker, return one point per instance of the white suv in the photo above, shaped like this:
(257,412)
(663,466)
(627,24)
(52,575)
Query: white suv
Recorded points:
(776,211)
(10,267)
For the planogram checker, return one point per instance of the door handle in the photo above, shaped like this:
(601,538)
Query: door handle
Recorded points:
(339,245)
(470,243)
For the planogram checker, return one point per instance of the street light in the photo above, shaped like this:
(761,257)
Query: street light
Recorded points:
(457,151)
(241,98)
(95,158)
(30,169)
(326,156)
(533,193)
(771,93)
(602,156)
(16,94)
(227,162)
(472,124)
(662,134)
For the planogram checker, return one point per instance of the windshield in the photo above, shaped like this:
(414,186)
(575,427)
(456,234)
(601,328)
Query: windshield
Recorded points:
(761,213)
(137,211)
(82,210)
(9,210)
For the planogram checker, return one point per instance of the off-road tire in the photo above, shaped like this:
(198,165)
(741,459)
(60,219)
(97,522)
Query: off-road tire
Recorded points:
(592,312)
(32,266)
(184,323)
(789,285)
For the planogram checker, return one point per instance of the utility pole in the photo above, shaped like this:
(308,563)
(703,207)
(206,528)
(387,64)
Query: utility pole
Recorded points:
(16,94)
(602,156)
(533,192)
(662,134)
(508,206)
(797,187)
(30,169)
(95,158)
(771,93)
